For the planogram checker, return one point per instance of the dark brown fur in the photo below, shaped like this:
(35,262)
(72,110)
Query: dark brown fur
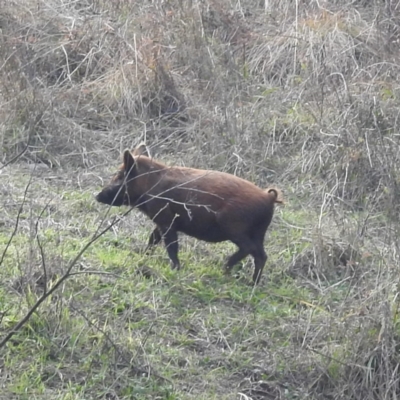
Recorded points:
(208,205)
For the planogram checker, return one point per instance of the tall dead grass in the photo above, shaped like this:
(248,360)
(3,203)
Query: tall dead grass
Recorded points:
(303,94)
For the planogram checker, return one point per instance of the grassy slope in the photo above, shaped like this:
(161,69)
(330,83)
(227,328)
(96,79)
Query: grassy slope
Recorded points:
(113,330)
(191,334)
(306,98)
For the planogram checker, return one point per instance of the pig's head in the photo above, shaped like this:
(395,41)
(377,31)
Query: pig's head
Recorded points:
(119,191)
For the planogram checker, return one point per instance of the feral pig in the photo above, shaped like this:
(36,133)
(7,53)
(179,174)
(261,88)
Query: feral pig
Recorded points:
(208,205)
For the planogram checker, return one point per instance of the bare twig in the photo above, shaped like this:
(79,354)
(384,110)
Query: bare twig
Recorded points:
(15,158)
(16,221)
(66,275)
(42,256)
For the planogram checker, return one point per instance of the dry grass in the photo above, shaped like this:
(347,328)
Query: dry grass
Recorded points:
(303,95)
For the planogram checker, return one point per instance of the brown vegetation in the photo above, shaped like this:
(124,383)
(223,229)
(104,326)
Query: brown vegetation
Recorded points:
(299,94)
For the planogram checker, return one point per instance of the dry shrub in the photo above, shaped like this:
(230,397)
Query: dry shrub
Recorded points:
(327,262)
(89,77)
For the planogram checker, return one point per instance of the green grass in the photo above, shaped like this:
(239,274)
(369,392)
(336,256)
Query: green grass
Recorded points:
(190,327)
(162,325)
(124,324)
(194,333)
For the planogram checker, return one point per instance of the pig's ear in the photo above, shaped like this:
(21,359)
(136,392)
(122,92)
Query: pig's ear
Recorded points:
(141,150)
(129,161)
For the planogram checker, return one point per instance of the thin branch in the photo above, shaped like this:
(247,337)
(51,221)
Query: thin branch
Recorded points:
(31,130)
(67,274)
(17,221)
(138,371)
(41,247)
(15,158)
(94,272)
